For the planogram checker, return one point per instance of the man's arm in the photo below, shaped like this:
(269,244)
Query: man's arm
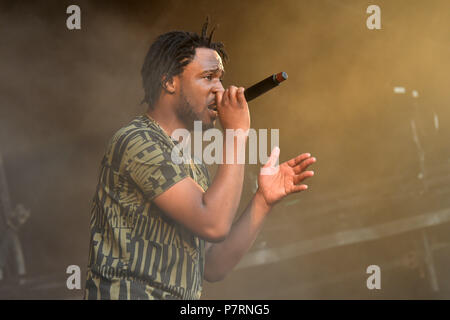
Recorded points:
(222,257)
(210,214)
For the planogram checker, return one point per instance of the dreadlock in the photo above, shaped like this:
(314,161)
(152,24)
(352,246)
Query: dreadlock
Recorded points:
(169,54)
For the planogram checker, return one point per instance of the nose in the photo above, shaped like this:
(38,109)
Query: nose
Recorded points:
(218,87)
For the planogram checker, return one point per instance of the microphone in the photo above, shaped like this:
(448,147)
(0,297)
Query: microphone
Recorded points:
(265,85)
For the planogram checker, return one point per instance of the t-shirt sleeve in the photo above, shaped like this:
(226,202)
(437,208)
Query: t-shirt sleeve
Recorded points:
(152,169)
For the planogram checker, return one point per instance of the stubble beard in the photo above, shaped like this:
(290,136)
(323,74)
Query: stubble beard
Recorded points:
(186,114)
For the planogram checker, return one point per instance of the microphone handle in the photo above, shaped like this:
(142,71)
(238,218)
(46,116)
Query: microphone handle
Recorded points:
(265,85)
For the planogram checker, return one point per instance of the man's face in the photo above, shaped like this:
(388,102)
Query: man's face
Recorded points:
(199,82)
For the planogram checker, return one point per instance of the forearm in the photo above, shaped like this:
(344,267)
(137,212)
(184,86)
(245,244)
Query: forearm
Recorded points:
(222,198)
(222,257)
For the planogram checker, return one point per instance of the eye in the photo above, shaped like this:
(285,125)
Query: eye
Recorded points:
(209,77)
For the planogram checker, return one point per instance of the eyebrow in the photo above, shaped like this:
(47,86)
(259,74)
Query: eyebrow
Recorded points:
(216,71)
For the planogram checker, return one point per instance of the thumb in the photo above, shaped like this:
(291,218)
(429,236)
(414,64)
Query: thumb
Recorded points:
(271,167)
(240,95)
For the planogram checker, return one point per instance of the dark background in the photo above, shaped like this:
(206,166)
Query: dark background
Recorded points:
(64,93)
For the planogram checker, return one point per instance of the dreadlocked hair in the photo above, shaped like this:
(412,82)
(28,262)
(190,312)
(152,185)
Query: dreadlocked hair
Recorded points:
(169,54)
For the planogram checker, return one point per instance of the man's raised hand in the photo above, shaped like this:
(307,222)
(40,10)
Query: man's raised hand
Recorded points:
(276,182)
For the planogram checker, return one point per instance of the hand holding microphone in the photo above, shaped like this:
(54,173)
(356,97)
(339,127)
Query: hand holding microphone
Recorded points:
(232,99)
(233,109)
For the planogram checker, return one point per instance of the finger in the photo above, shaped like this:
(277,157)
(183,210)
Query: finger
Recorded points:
(302,176)
(299,188)
(305,164)
(273,157)
(298,159)
(270,167)
(226,97)
(232,94)
(240,95)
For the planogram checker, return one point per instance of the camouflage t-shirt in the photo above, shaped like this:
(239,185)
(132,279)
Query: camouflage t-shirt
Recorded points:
(136,251)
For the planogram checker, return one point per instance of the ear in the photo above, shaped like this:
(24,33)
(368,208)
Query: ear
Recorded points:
(170,85)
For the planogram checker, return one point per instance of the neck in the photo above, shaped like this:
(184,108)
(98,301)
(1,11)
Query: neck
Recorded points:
(166,118)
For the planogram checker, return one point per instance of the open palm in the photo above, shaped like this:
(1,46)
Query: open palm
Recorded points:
(275,183)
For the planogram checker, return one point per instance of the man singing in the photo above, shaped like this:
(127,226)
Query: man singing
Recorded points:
(159,228)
